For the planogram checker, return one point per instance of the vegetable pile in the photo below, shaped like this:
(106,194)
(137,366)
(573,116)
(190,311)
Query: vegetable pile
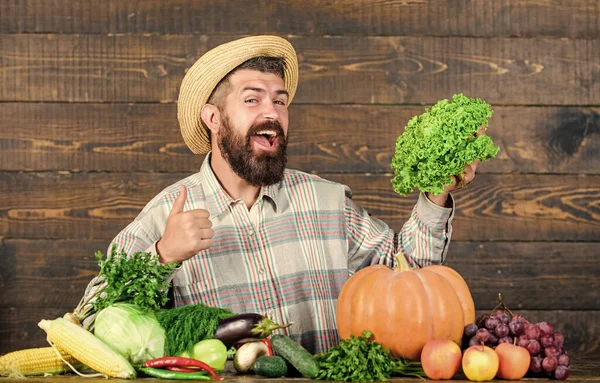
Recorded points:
(125,328)
(438,143)
(358,359)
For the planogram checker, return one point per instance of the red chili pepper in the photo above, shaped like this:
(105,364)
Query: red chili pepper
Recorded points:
(267,342)
(179,361)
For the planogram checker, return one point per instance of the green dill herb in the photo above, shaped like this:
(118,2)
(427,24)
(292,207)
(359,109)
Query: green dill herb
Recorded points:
(186,325)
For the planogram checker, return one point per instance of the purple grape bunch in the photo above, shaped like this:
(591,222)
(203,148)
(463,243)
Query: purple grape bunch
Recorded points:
(546,347)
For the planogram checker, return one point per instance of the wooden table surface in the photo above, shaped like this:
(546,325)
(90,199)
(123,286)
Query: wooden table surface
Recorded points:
(587,370)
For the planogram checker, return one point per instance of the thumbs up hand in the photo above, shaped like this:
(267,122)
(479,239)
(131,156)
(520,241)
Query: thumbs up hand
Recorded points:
(186,232)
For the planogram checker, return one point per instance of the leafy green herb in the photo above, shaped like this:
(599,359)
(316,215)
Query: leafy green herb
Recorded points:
(139,279)
(359,359)
(438,143)
(186,325)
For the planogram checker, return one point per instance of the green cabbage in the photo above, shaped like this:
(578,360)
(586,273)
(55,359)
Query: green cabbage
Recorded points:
(438,143)
(131,331)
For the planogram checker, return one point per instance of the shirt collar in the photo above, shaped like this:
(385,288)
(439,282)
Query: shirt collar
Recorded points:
(271,192)
(217,200)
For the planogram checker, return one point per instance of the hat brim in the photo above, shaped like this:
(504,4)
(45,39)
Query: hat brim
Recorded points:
(202,78)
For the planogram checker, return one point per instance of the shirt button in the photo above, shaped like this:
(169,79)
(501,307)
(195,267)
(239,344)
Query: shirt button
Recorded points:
(251,232)
(261,271)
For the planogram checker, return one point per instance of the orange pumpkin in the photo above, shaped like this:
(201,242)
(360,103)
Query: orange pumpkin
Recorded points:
(404,308)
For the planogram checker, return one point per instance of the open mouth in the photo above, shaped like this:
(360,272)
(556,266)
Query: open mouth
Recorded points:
(265,138)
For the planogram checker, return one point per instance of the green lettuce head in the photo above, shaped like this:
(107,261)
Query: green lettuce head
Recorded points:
(438,143)
(133,332)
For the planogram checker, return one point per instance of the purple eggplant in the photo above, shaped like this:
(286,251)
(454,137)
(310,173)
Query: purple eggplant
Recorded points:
(247,327)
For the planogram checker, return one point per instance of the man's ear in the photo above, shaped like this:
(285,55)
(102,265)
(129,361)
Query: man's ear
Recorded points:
(211,116)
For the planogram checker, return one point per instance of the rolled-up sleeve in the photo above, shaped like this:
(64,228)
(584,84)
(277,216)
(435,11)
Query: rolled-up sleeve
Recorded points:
(423,239)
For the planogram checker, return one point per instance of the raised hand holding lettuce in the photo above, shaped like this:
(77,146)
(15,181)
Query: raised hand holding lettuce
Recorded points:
(437,144)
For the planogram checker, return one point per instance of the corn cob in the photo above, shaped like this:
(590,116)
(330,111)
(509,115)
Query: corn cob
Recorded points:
(88,349)
(35,361)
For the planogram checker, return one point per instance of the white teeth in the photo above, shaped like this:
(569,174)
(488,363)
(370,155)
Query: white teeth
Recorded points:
(268,132)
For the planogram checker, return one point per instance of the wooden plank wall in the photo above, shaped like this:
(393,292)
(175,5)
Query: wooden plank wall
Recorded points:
(88,133)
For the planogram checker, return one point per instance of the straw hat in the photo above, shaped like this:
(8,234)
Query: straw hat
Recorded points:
(202,78)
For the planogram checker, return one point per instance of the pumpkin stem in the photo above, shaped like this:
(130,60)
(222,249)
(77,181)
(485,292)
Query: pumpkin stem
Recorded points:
(402,264)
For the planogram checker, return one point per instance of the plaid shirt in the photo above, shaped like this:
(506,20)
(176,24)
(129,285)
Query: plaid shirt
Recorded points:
(289,255)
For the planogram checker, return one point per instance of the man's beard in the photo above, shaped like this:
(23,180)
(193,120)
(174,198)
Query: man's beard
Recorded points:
(258,169)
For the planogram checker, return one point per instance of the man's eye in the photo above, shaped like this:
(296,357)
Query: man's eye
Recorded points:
(280,102)
(253,100)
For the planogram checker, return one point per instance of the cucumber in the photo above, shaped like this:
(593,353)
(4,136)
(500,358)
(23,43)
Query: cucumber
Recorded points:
(270,366)
(294,353)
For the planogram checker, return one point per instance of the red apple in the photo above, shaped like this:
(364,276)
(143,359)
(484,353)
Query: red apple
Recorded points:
(513,361)
(480,363)
(440,359)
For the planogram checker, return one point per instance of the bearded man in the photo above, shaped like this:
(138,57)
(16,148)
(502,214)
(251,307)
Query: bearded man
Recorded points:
(251,235)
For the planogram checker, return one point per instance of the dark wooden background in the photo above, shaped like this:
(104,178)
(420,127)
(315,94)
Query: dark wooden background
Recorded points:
(88,133)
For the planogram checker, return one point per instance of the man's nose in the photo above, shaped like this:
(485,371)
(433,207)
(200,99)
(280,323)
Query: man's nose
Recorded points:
(270,112)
